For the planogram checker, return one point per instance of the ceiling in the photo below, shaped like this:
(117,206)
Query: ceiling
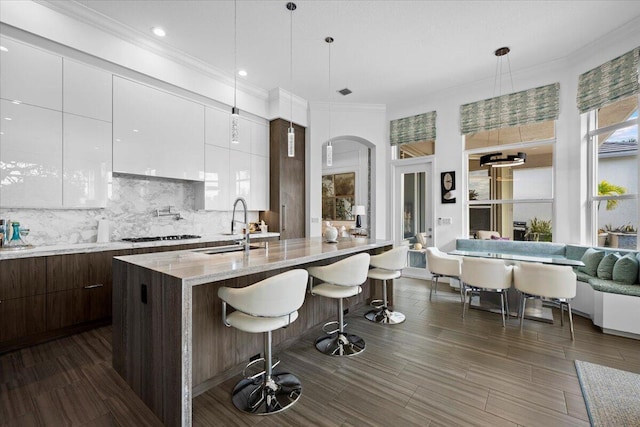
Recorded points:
(386,52)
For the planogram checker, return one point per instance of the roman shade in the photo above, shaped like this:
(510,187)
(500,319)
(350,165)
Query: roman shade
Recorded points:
(609,82)
(418,128)
(514,109)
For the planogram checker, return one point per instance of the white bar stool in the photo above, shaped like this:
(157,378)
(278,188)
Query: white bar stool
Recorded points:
(263,307)
(342,279)
(387,266)
(549,282)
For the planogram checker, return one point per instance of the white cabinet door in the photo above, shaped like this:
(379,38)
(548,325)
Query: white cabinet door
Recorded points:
(156,133)
(260,139)
(240,176)
(30,156)
(86,91)
(216,180)
(217,127)
(30,75)
(259,183)
(87,161)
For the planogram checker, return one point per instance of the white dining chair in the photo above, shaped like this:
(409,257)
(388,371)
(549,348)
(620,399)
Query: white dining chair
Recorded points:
(440,265)
(486,275)
(549,282)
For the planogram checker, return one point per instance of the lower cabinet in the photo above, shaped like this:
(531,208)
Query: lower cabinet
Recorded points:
(79,288)
(22,317)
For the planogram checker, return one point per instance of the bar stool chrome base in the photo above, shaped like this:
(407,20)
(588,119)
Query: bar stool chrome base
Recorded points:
(260,397)
(384,315)
(340,344)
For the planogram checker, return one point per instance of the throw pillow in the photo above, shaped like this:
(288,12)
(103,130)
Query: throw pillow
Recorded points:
(626,269)
(591,260)
(605,268)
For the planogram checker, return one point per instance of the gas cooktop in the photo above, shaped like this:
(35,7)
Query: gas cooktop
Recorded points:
(156,238)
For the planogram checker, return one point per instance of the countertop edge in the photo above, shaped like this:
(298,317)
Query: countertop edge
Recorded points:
(120,245)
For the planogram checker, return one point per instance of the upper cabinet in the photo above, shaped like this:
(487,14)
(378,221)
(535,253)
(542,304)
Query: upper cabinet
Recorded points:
(87,91)
(42,166)
(30,156)
(234,169)
(87,161)
(156,133)
(30,75)
(217,130)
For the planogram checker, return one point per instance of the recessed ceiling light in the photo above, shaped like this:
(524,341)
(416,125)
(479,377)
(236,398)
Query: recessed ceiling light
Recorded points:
(242,73)
(8,118)
(16,101)
(4,49)
(158,31)
(135,130)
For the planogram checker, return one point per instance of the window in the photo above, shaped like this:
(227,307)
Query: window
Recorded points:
(338,196)
(613,139)
(515,201)
(413,136)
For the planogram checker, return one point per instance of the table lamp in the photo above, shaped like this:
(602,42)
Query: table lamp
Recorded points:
(358,210)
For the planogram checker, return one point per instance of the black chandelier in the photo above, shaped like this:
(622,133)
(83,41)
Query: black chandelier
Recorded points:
(497,161)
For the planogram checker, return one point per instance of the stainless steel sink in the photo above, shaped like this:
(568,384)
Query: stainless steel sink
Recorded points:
(224,249)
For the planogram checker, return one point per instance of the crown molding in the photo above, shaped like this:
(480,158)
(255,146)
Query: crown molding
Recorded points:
(139,39)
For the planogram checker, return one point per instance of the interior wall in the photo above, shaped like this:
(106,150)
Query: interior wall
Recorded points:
(570,216)
(365,124)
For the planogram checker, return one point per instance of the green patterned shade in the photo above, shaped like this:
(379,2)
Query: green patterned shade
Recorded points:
(514,109)
(609,82)
(421,127)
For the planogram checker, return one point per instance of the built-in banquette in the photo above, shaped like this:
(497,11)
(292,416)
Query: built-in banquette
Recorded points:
(608,286)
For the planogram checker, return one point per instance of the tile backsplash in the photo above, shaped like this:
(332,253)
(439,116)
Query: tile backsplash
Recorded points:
(130,212)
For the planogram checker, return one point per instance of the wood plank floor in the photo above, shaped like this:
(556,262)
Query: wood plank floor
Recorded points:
(433,370)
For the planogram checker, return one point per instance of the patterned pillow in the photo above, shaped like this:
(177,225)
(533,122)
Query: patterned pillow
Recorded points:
(591,260)
(626,269)
(605,268)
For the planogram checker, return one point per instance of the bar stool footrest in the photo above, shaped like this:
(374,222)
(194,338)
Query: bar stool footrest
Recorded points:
(377,304)
(336,327)
(256,374)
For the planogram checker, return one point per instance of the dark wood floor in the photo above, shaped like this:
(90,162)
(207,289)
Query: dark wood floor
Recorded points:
(433,370)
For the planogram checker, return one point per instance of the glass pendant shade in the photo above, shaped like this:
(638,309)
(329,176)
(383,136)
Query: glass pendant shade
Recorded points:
(291,142)
(329,154)
(235,119)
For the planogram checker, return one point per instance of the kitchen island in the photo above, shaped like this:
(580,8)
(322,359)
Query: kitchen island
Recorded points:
(169,342)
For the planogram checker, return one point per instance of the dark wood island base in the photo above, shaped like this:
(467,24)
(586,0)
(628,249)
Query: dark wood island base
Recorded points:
(169,342)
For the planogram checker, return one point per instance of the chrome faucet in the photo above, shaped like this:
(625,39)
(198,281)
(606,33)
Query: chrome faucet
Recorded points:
(246,224)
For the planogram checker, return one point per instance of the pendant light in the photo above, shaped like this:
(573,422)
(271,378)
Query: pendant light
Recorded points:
(235,113)
(496,160)
(329,40)
(291,134)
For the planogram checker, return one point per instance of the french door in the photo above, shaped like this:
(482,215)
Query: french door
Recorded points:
(412,212)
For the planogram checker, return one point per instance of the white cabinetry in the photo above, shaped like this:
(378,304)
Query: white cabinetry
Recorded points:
(40,165)
(156,133)
(30,156)
(234,170)
(215,193)
(217,130)
(30,75)
(87,161)
(87,91)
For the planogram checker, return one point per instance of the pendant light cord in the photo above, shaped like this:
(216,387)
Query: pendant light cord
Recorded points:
(235,52)
(291,67)
(329,40)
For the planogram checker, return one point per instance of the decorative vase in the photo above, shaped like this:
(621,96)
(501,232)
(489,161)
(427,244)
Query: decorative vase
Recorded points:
(331,233)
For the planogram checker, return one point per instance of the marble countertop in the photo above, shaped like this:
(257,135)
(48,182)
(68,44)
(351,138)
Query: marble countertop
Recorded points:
(195,267)
(114,246)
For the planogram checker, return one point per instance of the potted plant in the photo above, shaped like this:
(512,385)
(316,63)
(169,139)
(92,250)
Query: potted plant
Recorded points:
(539,230)
(624,237)
(605,188)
